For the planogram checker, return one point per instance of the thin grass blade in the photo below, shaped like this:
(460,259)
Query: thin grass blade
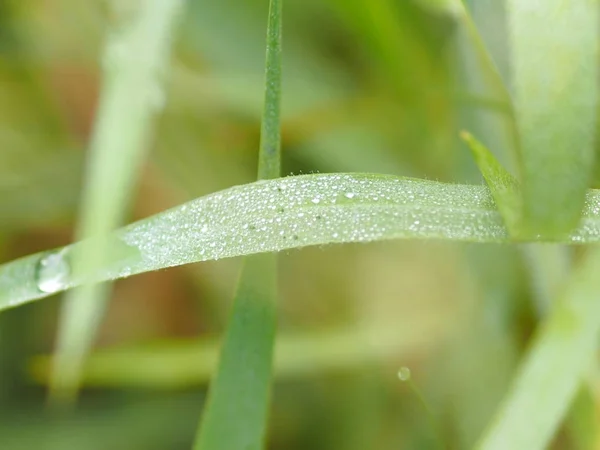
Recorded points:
(134,61)
(481,75)
(236,414)
(555,50)
(503,186)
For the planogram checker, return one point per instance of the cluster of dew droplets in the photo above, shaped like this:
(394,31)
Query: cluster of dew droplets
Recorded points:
(312,210)
(589,227)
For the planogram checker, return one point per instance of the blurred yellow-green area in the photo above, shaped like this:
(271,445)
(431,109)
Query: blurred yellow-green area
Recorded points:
(369,86)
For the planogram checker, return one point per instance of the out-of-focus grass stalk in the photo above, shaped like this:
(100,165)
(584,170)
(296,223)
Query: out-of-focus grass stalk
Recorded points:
(555,51)
(134,64)
(549,267)
(191,363)
(561,353)
(555,72)
(236,414)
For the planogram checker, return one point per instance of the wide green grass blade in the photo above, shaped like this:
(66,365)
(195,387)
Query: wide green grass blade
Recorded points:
(136,53)
(562,352)
(281,214)
(236,413)
(555,50)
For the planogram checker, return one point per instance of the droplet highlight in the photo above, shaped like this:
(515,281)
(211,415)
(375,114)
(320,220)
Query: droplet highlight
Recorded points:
(404,374)
(53,272)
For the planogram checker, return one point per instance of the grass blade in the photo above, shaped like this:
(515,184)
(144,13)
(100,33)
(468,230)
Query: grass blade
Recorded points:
(236,413)
(276,215)
(269,158)
(555,71)
(554,367)
(503,186)
(481,75)
(136,53)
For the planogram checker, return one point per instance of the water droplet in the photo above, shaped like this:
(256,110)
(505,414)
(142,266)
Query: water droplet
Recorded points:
(349,194)
(316,200)
(404,374)
(52,272)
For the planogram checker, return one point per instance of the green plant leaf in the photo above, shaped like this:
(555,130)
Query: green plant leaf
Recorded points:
(235,416)
(503,186)
(275,215)
(136,52)
(268,216)
(480,75)
(555,75)
(236,413)
(269,158)
(549,378)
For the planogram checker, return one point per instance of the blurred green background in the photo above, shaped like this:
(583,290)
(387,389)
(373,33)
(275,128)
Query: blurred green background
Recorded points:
(370,86)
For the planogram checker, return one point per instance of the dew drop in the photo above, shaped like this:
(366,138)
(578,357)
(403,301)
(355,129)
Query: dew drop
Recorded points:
(316,200)
(404,374)
(52,272)
(349,194)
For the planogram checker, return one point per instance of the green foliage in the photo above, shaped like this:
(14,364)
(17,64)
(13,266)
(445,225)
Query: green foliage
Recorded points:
(235,416)
(558,359)
(555,76)
(289,213)
(137,50)
(504,187)
(375,92)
